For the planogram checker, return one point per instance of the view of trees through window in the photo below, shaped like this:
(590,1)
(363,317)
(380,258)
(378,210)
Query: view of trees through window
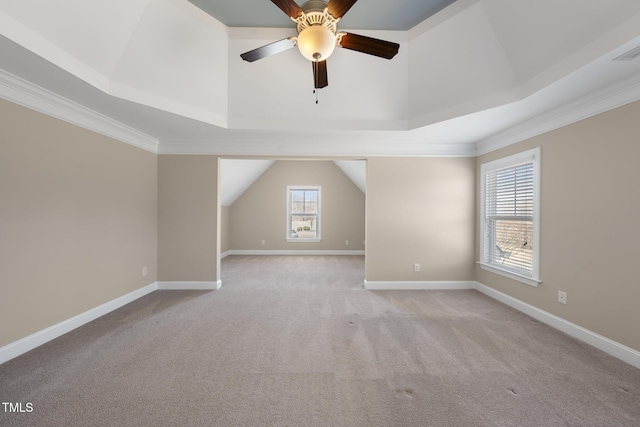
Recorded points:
(304,213)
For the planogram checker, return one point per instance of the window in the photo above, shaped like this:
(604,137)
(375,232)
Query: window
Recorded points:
(303,214)
(510,216)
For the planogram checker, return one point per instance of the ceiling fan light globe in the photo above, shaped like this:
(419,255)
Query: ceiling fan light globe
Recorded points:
(316,40)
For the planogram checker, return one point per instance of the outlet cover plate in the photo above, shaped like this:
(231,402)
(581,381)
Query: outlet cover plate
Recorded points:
(562,297)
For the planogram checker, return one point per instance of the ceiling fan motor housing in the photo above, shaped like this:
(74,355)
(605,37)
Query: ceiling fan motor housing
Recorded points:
(315,12)
(313,6)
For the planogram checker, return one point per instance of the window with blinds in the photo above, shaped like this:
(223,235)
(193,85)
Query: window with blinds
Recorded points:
(510,215)
(303,214)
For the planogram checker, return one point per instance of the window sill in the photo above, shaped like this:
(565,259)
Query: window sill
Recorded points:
(526,280)
(299,240)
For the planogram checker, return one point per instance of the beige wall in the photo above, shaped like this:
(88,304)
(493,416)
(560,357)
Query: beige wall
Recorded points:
(78,216)
(225,229)
(420,211)
(81,214)
(188,218)
(590,227)
(260,213)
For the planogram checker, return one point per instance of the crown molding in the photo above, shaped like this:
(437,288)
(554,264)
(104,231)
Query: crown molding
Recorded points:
(27,94)
(608,98)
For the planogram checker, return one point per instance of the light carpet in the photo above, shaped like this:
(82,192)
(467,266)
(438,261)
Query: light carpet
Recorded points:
(298,341)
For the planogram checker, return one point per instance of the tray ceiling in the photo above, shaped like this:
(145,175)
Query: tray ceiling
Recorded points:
(474,75)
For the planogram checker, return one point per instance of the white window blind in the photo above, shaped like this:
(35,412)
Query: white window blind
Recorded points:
(510,206)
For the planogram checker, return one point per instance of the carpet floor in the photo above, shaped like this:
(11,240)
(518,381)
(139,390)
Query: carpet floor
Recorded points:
(298,341)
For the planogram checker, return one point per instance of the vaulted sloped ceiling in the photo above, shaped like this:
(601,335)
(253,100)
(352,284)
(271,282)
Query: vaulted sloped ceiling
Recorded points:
(237,175)
(468,78)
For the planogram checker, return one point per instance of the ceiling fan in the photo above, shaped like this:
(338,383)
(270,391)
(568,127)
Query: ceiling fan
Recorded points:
(317,26)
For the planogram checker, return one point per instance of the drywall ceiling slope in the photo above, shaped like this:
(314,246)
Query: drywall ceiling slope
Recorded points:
(537,37)
(176,61)
(84,38)
(165,54)
(356,170)
(458,67)
(237,175)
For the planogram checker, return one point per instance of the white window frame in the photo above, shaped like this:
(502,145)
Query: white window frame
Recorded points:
(318,237)
(529,156)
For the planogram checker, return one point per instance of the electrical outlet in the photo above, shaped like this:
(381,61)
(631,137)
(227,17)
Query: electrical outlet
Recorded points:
(416,267)
(144,271)
(346,242)
(562,297)
(264,242)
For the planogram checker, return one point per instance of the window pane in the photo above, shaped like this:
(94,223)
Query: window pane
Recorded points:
(304,201)
(303,226)
(297,201)
(512,245)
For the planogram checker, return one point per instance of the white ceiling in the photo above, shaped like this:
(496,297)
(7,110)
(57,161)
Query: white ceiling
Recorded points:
(237,175)
(356,170)
(477,75)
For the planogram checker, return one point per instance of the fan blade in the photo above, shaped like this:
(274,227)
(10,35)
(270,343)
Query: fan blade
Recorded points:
(268,50)
(371,46)
(320,74)
(289,7)
(337,8)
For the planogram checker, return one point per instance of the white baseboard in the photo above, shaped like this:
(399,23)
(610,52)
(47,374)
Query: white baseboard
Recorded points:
(605,344)
(415,285)
(225,254)
(293,252)
(17,348)
(32,341)
(192,286)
